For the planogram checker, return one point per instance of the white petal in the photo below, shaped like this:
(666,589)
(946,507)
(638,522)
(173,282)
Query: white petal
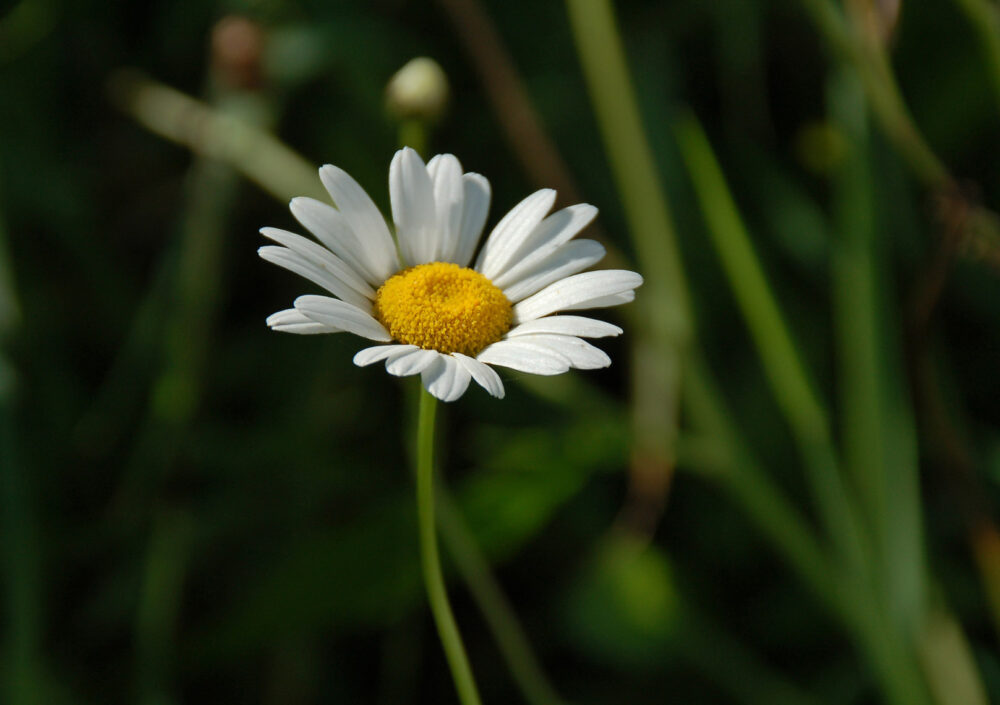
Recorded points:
(566,325)
(447,379)
(511,232)
(332,229)
(569,259)
(547,237)
(334,312)
(377,353)
(413,210)
(449,195)
(581,354)
(477,205)
(411,362)
(485,376)
(526,357)
(291,321)
(578,291)
(310,250)
(377,250)
(311,270)
(604,301)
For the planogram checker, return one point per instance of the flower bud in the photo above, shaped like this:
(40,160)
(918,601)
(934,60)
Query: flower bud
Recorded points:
(418,91)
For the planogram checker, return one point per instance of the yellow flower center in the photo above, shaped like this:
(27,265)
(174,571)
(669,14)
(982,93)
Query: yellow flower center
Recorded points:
(441,306)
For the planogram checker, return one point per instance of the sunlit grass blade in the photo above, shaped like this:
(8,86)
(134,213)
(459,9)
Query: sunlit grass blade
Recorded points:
(879,439)
(783,365)
(234,139)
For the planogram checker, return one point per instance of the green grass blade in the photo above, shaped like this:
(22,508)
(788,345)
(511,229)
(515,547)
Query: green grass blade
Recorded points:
(783,366)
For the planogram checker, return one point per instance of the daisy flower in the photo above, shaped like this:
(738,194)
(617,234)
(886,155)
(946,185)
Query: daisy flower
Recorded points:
(435,311)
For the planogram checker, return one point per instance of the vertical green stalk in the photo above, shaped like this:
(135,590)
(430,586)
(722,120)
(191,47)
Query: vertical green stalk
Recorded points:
(865,616)
(854,310)
(413,134)
(664,307)
(469,559)
(879,440)
(497,611)
(783,365)
(430,561)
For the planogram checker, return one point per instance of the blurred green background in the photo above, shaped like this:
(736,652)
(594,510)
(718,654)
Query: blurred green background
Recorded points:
(782,492)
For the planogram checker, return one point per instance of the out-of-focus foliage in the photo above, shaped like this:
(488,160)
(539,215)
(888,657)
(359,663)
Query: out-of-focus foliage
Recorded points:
(195,509)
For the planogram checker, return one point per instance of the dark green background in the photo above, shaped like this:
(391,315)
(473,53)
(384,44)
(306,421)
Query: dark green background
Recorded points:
(247,535)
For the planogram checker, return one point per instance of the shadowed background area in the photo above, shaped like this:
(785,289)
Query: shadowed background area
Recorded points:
(782,492)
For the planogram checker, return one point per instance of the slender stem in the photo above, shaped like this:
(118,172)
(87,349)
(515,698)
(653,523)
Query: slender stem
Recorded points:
(430,561)
(489,597)
(496,608)
(664,338)
(413,134)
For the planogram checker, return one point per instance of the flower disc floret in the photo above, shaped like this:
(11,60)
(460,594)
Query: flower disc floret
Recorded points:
(441,306)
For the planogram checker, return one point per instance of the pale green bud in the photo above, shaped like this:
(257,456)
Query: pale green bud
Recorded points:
(418,91)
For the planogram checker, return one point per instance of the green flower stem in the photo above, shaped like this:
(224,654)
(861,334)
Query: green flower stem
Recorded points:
(430,561)
(413,134)
(473,566)
(497,611)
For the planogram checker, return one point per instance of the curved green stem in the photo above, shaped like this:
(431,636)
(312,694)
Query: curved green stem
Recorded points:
(496,609)
(430,561)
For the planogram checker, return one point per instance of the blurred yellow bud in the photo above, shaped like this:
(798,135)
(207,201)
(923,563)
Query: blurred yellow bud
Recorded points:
(419,91)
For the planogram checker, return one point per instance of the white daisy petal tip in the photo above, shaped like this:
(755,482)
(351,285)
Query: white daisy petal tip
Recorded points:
(377,353)
(446,378)
(485,376)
